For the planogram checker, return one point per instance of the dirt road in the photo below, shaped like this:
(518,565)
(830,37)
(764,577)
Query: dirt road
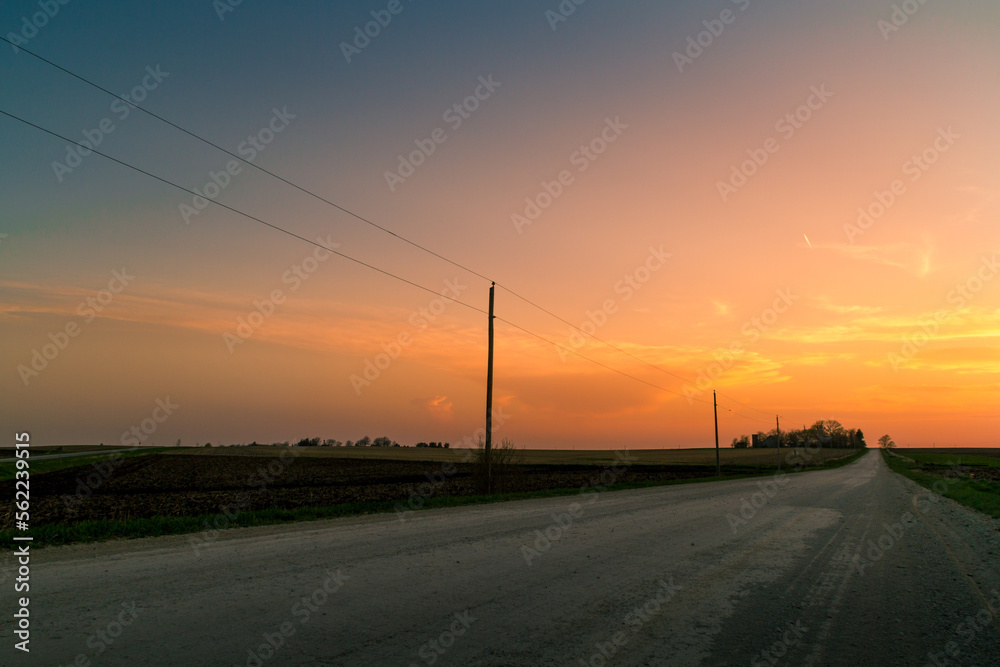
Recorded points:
(853,566)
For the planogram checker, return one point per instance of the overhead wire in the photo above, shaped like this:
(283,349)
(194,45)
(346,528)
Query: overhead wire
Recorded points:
(352,259)
(242,213)
(334,205)
(343,209)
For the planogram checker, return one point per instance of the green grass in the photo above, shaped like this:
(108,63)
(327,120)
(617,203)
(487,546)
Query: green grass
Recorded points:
(945,459)
(99,530)
(981,495)
(38,467)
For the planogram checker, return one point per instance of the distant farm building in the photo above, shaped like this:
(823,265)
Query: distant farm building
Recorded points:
(760,440)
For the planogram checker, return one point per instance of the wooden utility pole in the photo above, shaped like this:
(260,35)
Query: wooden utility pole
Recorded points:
(715,410)
(777,428)
(489,403)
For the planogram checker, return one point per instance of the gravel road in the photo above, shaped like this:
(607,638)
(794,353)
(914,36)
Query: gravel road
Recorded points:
(853,566)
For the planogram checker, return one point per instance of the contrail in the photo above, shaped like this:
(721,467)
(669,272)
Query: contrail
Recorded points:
(807,241)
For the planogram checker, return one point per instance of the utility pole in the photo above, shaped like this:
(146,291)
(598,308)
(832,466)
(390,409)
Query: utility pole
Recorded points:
(489,403)
(777,427)
(715,410)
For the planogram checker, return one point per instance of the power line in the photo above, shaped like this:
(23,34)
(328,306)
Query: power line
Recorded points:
(345,256)
(611,345)
(341,208)
(739,414)
(330,203)
(745,405)
(243,160)
(623,373)
(246,215)
(362,263)
(348,257)
(594,361)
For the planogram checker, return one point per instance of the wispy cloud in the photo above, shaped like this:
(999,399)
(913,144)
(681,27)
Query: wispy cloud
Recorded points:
(906,256)
(439,408)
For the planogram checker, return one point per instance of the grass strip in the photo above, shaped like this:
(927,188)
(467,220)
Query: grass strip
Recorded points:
(979,494)
(38,467)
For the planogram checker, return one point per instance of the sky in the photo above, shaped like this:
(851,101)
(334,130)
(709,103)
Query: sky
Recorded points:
(792,203)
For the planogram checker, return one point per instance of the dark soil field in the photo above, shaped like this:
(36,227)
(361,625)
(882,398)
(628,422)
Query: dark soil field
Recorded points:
(969,472)
(190,485)
(969,463)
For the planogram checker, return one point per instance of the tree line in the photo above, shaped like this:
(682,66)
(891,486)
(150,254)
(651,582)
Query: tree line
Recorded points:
(825,432)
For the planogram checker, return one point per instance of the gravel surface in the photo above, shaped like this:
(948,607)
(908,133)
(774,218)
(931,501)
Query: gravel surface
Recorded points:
(852,566)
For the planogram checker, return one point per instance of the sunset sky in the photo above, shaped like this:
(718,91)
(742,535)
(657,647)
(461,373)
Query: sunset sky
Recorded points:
(646,138)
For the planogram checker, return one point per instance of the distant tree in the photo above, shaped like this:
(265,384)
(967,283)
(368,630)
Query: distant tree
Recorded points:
(447,445)
(308,442)
(349,443)
(859,439)
(885,442)
(363,442)
(208,444)
(382,442)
